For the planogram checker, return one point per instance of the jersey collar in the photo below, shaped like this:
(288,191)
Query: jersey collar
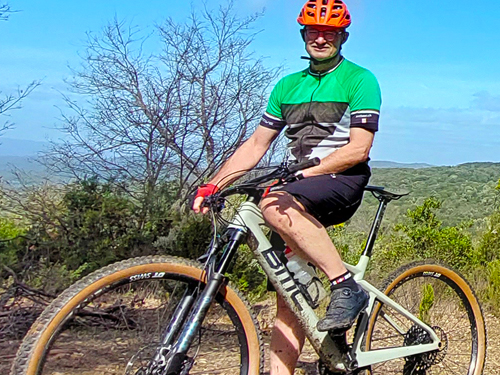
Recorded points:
(328,71)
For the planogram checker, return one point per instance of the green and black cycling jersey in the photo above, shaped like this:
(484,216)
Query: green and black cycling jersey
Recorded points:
(318,110)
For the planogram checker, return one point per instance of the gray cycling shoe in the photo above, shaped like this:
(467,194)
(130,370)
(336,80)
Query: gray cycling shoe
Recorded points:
(344,308)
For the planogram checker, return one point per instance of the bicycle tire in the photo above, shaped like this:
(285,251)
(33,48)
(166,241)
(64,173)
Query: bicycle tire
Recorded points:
(445,301)
(63,336)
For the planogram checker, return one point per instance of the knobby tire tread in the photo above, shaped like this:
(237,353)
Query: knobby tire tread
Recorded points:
(25,351)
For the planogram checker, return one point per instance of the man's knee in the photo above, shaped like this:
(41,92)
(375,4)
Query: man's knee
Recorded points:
(278,208)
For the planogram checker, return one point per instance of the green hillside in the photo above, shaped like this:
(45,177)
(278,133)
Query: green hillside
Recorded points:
(467,191)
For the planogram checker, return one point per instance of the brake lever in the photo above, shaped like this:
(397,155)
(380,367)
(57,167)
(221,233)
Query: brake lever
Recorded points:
(214,201)
(293,178)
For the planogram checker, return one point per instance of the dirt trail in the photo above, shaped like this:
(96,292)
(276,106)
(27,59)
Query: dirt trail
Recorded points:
(308,358)
(307,361)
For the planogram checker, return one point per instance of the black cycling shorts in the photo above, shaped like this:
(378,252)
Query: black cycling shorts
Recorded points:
(331,199)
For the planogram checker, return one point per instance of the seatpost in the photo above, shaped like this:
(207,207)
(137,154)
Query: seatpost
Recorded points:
(375,226)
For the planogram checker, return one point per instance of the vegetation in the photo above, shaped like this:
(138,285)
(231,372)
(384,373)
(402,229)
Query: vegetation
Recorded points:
(466,192)
(66,232)
(471,246)
(70,231)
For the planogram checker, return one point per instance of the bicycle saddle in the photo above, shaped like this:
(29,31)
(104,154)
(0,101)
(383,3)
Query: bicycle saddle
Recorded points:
(379,191)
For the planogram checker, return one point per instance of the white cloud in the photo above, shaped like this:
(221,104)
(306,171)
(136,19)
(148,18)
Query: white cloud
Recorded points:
(483,100)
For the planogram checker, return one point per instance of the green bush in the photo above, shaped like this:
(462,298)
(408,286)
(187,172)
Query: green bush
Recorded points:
(491,291)
(188,237)
(12,243)
(422,236)
(489,243)
(349,244)
(74,230)
(247,274)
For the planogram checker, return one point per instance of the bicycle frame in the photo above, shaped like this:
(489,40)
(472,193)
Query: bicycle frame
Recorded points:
(249,219)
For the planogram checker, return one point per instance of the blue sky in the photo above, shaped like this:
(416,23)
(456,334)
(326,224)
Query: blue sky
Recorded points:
(437,63)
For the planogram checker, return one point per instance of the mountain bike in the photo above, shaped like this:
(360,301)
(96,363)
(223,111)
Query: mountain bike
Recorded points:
(163,315)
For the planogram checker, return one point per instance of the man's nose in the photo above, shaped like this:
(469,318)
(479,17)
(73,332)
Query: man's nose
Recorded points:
(321,38)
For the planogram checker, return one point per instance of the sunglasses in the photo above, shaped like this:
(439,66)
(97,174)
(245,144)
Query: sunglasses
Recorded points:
(327,35)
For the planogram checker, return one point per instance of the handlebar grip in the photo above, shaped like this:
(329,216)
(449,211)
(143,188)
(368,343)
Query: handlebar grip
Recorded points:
(304,165)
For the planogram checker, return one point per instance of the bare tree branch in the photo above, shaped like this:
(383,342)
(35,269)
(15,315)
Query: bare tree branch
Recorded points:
(13,101)
(170,117)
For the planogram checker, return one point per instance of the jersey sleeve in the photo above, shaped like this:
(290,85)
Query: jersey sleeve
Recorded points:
(365,102)
(273,118)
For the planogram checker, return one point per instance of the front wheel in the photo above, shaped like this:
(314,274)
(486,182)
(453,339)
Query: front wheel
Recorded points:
(111,321)
(442,299)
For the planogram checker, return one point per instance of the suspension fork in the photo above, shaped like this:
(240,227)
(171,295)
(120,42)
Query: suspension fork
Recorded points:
(190,326)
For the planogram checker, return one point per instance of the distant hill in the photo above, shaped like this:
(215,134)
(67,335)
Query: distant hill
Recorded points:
(21,147)
(393,164)
(26,163)
(20,155)
(35,172)
(467,192)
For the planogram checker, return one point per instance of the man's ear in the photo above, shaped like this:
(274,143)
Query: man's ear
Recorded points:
(303,34)
(345,36)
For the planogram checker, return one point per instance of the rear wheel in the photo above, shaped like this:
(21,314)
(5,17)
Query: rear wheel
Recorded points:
(111,321)
(442,299)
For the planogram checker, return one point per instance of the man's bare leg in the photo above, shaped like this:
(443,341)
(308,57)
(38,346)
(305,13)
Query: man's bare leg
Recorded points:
(309,239)
(287,340)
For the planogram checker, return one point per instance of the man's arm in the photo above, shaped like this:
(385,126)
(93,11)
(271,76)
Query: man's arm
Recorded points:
(353,153)
(244,158)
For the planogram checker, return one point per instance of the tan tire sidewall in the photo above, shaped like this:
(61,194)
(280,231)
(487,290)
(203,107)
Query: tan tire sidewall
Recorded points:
(170,268)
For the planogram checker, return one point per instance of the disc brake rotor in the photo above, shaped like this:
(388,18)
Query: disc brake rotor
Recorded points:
(140,362)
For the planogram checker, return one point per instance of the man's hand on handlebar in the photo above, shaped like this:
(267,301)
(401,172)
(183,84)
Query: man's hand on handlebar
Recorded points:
(203,191)
(283,174)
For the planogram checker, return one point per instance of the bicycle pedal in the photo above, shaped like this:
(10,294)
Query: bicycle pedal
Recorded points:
(337,332)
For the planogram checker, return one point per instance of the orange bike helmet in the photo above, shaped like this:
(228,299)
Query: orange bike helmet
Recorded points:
(325,13)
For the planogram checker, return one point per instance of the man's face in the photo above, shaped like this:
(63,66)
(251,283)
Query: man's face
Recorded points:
(323,42)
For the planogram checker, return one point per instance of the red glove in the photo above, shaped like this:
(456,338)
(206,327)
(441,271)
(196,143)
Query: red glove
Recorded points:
(206,190)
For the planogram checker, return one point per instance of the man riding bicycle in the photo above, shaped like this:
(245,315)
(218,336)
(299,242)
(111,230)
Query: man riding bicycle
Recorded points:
(329,111)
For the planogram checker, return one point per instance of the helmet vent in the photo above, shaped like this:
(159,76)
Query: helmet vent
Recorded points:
(312,6)
(310,14)
(323,12)
(335,15)
(325,2)
(337,7)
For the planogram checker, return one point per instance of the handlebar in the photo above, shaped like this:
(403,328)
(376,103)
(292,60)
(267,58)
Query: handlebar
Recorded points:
(282,173)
